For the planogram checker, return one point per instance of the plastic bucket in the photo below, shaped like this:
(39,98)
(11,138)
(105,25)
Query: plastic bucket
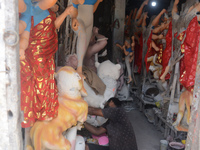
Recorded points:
(176,146)
(163,144)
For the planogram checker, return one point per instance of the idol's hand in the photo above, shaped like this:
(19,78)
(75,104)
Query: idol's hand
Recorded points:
(69,9)
(145,2)
(75,24)
(54,8)
(176,2)
(22,54)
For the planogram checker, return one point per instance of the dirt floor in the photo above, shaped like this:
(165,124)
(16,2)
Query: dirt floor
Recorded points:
(147,135)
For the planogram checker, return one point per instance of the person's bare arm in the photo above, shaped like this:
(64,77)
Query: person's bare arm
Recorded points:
(94,130)
(95,111)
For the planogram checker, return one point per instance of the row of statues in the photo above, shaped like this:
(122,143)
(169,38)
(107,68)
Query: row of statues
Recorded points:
(171,37)
(156,48)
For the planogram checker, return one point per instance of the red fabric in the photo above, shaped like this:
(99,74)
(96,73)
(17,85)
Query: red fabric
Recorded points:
(190,49)
(139,63)
(167,52)
(39,97)
(138,53)
(180,36)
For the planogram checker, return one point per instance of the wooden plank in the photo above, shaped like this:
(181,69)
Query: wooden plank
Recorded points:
(118,31)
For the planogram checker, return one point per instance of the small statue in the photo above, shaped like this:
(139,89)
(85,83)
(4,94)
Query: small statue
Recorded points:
(128,49)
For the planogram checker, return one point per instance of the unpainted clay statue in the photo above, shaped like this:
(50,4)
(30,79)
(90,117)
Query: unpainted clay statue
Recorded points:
(97,43)
(82,24)
(108,72)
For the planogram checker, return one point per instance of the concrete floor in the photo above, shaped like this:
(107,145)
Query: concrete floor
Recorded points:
(147,135)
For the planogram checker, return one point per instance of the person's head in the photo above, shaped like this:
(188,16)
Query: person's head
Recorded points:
(113,102)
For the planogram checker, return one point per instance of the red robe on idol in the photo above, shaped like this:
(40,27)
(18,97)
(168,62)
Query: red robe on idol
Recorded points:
(190,49)
(39,97)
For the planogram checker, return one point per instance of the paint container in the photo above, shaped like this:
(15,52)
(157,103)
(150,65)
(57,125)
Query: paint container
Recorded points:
(163,144)
(176,146)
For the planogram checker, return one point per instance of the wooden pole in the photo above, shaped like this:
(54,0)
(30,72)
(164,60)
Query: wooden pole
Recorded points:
(10,119)
(118,31)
